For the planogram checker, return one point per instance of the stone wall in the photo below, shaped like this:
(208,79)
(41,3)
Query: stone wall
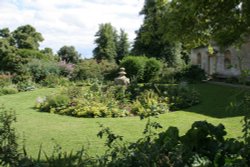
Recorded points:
(223,63)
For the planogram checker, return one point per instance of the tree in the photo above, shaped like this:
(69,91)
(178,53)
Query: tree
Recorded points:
(149,40)
(9,60)
(122,46)
(69,54)
(47,51)
(6,34)
(200,22)
(26,37)
(106,43)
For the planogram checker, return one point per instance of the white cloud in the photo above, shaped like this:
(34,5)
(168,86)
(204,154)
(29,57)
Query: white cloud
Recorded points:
(71,22)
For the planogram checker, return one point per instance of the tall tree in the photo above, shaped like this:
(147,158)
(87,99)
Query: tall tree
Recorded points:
(122,46)
(26,37)
(149,40)
(106,43)
(69,54)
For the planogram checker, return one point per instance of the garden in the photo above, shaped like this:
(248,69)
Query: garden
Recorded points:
(60,109)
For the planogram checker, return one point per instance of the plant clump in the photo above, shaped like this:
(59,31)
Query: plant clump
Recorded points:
(100,100)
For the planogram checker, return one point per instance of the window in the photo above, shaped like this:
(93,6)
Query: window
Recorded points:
(227,59)
(199,59)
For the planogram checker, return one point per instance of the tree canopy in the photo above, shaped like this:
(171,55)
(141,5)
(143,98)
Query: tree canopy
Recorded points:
(69,54)
(26,37)
(106,42)
(200,22)
(149,40)
(122,46)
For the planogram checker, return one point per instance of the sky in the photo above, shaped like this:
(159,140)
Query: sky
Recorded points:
(71,22)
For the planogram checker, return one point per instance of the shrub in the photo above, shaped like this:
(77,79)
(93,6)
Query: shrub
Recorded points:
(8,90)
(41,69)
(53,81)
(135,66)
(9,155)
(168,75)
(181,96)
(178,96)
(191,74)
(142,68)
(66,69)
(26,86)
(53,103)
(34,54)
(148,103)
(5,80)
(90,69)
(152,69)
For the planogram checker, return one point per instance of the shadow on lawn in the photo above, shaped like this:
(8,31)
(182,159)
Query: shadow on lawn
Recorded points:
(215,99)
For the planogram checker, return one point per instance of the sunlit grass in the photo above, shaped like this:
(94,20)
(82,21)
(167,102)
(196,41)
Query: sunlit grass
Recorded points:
(35,128)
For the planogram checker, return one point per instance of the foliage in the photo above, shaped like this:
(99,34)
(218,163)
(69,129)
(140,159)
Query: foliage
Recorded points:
(148,103)
(152,69)
(90,69)
(53,81)
(106,43)
(92,102)
(176,97)
(26,86)
(142,68)
(66,69)
(191,74)
(11,89)
(5,80)
(26,37)
(180,96)
(53,102)
(9,60)
(149,40)
(134,66)
(198,23)
(40,69)
(122,46)
(69,54)
(9,154)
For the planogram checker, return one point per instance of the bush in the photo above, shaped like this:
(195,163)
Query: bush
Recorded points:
(5,80)
(34,54)
(191,74)
(9,155)
(178,96)
(41,69)
(181,96)
(8,90)
(53,103)
(53,81)
(90,69)
(26,86)
(66,69)
(148,103)
(135,66)
(142,68)
(152,69)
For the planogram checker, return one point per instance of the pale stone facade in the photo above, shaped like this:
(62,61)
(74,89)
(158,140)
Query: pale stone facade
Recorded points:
(224,63)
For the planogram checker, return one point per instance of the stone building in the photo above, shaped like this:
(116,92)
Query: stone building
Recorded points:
(225,63)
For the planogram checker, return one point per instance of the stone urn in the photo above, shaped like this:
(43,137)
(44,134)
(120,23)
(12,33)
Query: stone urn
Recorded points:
(122,79)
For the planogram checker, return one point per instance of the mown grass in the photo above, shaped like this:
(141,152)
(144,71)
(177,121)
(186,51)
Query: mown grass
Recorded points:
(38,128)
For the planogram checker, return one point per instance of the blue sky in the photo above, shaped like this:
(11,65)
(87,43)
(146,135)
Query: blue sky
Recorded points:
(71,22)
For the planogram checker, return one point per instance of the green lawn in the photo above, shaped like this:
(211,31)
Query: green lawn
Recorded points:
(38,128)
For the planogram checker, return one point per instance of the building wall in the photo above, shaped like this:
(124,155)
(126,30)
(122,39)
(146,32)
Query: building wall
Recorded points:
(224,63)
